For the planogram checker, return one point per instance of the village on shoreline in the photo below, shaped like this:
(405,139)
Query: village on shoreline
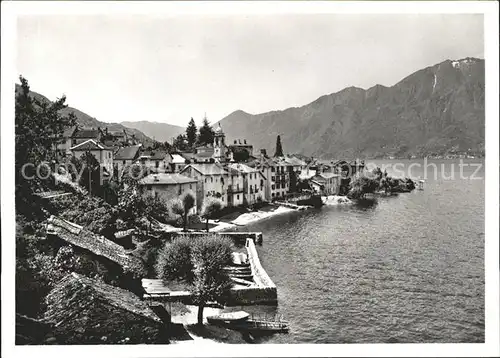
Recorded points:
(97,212)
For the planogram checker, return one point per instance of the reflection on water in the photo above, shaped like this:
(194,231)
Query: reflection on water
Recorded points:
(407,268)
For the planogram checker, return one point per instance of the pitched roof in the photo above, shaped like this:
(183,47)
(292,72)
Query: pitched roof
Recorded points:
(317,182)
(327,175)
(74,299)
(295,161)
(154,154)
(178,159)
(203,155)
(91,290)
(90,145)
(207,169)
(98,245)
(339,162)
(127,153)
(240,167)
(117,133)
(86,133)
(166,179)
(259,162)
(69,131)
(205,147)
(187,155)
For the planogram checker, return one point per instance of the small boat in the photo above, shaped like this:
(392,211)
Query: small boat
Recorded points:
(229,317)
(255,325)
(240,321)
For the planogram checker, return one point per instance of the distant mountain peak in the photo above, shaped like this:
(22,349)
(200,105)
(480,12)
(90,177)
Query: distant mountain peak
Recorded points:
(465,61)
(428,112)
(240,112)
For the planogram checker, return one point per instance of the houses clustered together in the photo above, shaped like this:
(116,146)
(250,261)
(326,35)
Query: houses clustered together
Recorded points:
(209,170)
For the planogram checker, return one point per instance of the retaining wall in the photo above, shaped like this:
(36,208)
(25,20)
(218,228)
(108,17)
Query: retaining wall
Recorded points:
(235,236)
(264,292)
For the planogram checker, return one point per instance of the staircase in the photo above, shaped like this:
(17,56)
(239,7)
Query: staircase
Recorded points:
(240,269)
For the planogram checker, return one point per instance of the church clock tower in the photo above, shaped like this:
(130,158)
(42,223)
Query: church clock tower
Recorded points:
(219,144)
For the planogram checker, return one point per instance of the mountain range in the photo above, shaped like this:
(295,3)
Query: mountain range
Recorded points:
(162,132)
(436,110)
(87,121)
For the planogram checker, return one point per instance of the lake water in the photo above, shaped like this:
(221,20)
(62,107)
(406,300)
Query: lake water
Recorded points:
(408,268)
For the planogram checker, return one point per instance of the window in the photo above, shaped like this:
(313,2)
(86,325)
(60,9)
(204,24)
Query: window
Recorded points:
(157,164)
(211,179)
(205,180)
(272,169)
(238,197)
(272,186)
(124,162)
(272,178)
(278,186)
(190,186)
(272,195)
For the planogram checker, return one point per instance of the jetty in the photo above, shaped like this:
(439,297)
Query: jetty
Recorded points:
(244,321)
(292,205)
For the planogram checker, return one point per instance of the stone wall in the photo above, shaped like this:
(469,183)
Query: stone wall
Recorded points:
(235,236)
(245,296)
(264,292)
(260,276)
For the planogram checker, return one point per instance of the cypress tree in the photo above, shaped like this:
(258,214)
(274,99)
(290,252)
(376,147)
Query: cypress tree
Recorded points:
(279,149)
(206,135)
(191,133)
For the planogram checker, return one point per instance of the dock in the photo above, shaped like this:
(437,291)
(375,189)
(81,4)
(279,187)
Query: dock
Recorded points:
(291,205)
(254,323)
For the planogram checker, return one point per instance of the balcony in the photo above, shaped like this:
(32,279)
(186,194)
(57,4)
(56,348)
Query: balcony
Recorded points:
(233,190)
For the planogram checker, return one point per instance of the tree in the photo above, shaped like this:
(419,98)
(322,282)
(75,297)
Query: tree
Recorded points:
(191,133)
(199,262)
(91,175)
(180,143)
(279,149)
(206,133)
(174,261)
(183,206)
(362,185)
(93,213)
(132,173)
(39,125)
(240,154)
(377,172)
(211,208)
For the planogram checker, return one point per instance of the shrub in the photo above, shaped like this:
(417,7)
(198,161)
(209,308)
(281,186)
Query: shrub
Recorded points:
(174,260)
(200,262)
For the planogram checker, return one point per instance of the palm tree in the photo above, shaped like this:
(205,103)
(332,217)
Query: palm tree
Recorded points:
(211,207)
(183,206)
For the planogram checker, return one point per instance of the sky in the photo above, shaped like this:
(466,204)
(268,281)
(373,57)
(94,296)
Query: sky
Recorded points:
(169,69)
